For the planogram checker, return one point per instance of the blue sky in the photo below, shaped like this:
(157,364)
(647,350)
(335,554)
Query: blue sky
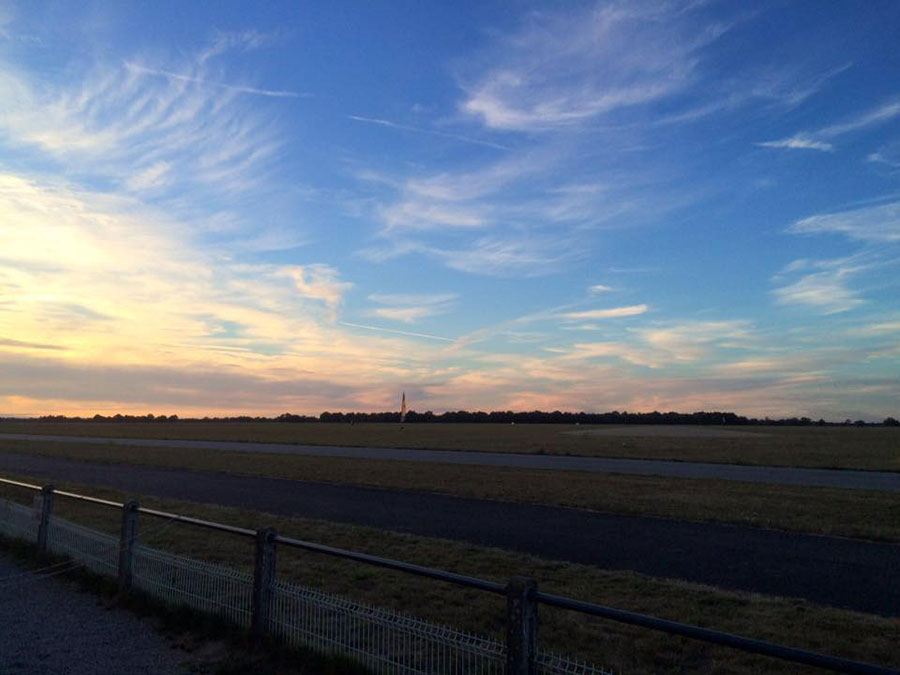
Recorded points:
(267,207)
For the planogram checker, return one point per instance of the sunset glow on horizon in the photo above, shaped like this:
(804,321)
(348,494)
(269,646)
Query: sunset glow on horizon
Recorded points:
(246,209)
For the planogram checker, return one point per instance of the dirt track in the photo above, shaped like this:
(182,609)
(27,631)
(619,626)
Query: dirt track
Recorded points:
(828,570)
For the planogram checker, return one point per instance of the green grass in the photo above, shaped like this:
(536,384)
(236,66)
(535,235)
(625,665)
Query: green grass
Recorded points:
(863,514)
(870,448)
(793,622)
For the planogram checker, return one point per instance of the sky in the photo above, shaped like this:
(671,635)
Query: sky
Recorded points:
(256,208)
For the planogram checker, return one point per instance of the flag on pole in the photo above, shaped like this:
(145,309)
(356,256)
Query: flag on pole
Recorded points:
(403,407)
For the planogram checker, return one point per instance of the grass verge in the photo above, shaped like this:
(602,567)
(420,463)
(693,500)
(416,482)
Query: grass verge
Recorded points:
(861,514)
(797,623)
(870,448)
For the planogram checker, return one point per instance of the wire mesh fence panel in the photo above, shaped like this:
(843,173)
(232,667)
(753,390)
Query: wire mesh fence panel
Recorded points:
(551,663)
(182,581)
(18,521)
(98,552)
(381,640)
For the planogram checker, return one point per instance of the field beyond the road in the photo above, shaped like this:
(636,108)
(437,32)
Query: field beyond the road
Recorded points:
(870,448)
(866,514)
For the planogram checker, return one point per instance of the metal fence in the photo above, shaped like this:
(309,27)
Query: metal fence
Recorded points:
(381,640)
(180,581)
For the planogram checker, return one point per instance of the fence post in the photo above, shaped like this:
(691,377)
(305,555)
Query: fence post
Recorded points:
(521,626)
(44,524)
(127,541)
(263,580)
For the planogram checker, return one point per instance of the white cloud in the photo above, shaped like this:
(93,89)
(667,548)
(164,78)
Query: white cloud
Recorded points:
(881,328)
(670,343)
(798,143)
(381,329)
(504,257)
(153,177)
(813,141)
(883,113)
(101,288)
(431,132)
(878,224)
(881,158)
(597,289)
(244,40)
(611,313)
(412,299)
(418,214)
(825,289)
(318,282)
(404,314)
(143,123)
(567,68)
(696,340)
(411,308)
(630,353)
(239,89)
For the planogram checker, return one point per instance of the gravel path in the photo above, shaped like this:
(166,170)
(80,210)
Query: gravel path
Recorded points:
(835,571)
(839,478)
(49,627)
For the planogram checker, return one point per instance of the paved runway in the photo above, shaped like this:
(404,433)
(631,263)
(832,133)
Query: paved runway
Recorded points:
(828,570)
(840,478)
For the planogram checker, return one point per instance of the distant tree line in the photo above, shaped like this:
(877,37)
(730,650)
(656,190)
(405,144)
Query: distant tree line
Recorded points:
(499,417)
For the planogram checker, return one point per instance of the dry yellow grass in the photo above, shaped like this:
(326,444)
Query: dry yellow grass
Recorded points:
(797,623)
(871,448)
(853,513)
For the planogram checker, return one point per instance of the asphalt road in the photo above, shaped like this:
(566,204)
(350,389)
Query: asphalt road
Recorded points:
(834,571)
(839,478)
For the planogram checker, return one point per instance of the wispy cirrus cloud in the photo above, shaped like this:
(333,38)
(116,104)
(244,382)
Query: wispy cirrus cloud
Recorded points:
(146,127)
(594,47)
(827,285)
(823,285)
(667,343)
(505,257)
(318,282)
(798,143)
(609,313)
(822,139)
(876,224)
(562,80)
(880,114)
(157,316)
(882,158)
(207,82)
(431,132)
(411,308)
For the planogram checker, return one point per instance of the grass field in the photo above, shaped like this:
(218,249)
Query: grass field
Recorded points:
(853,513)
(872,448)
(798,623)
